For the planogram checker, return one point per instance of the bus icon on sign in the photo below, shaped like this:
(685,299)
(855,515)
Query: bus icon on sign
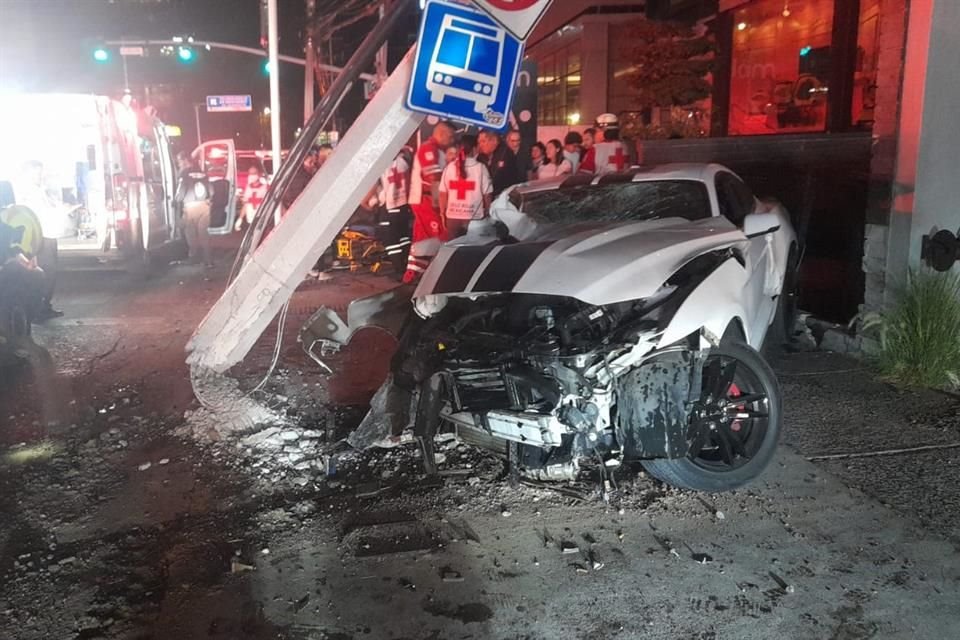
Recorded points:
(466,62)
(465,67)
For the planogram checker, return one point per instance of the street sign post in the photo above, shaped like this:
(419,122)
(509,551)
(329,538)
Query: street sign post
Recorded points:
(222,104)
(466,66)
(519,17)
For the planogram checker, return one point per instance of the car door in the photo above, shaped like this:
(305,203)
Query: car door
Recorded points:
(736,202)
(218,160)
(167,175)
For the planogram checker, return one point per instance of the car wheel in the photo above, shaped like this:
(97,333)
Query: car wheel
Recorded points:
(734,426)
(780,333)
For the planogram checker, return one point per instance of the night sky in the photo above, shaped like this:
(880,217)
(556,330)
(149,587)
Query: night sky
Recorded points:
(47,45)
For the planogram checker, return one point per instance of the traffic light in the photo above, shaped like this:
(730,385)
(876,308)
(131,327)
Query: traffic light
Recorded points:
(101,54)
(266,67)
(186,54)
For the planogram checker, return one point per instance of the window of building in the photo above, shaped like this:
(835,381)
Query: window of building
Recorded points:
(559,83)
(781,66)
(868,53)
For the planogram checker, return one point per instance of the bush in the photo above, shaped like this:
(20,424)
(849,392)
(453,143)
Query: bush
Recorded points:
(919,338)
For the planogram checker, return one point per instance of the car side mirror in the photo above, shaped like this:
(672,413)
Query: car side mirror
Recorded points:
(757,224)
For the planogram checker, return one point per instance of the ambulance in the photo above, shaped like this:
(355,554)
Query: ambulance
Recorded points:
(100,173)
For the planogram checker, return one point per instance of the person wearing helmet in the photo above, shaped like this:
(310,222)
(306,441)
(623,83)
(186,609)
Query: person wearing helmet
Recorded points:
(609,155)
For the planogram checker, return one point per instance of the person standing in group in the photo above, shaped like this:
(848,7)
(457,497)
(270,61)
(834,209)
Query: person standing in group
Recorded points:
(514,143)
(465,189)
(32,192)
(300,180)
(501,161)
(589,139)
(323,152)
(538,157)
(193,194)
(450,155)
(573,150)
(253,194)
(425,200)
(609,156)
(393,229)
(556,165)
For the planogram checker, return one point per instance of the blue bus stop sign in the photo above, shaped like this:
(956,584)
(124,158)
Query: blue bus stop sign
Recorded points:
(466,66)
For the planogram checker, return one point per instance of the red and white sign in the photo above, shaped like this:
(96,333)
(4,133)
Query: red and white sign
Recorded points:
(519,17)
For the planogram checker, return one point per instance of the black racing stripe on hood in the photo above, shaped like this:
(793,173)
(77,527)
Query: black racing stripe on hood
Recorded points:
(460,267)
(505,270)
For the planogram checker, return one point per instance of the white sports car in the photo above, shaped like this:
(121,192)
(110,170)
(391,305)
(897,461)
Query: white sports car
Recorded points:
(600,320)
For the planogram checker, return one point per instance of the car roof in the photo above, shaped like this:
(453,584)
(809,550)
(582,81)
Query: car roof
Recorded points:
(697,171)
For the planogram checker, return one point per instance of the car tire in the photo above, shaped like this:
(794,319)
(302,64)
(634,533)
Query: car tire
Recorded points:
(780,334)
(694,473)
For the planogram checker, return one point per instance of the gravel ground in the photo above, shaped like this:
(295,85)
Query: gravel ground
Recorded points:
(118,522)
(836,406)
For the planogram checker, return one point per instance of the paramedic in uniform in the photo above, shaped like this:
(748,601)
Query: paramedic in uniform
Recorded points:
(394,224)
(253,194)
(465,189)
(609,156)
(424,201)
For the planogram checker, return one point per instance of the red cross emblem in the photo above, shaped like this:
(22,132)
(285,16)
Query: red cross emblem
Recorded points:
(619,159)
(462,187)
(396,178)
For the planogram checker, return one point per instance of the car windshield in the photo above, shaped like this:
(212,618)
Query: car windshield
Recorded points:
(619,202)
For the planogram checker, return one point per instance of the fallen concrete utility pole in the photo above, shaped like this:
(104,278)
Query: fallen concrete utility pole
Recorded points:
(268,279)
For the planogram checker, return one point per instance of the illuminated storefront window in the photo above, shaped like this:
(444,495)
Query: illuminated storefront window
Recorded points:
(781,66)
(559,81)
(868,52)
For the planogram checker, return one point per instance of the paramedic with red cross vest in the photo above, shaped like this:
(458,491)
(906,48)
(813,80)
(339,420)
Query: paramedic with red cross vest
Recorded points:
(394,215)
(611,155)
(465,189)
(428,230)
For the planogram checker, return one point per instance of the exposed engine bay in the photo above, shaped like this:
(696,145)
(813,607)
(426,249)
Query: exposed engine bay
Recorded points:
(552,382)
(546,373)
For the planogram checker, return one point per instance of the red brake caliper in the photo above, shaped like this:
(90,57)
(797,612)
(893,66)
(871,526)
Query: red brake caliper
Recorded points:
(734,392)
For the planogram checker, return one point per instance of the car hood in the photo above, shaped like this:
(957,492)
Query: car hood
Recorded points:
(596,264)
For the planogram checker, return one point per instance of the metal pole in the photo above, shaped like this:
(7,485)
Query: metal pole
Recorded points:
(274,60)
(196,113)
(228,47)
(309,57)
(381,61)
(126,81)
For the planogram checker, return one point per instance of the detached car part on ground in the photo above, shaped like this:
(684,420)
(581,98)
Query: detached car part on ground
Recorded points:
(596,320)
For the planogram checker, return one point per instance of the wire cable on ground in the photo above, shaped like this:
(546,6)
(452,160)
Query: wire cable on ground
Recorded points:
(885,452)
(281,322)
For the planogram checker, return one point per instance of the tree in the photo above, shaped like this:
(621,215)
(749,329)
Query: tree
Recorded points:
(671,63)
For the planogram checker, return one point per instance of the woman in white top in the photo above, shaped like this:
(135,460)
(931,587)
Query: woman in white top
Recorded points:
(465,189)
(556,164)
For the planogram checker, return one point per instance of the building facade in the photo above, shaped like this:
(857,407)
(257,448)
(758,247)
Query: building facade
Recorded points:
(857,99)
